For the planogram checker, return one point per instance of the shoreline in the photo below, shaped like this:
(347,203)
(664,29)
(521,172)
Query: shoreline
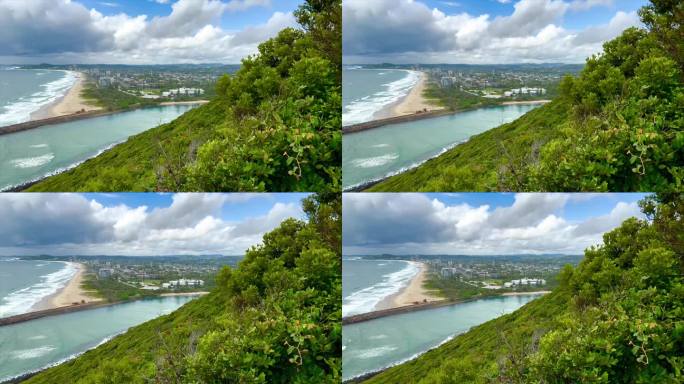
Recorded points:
(69,295)
(412,294)
(416,102)
(70,103)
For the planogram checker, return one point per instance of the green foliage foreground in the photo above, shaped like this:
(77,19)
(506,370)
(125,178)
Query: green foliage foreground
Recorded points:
(273,126)
(619,126)
(616,318)
(276,318)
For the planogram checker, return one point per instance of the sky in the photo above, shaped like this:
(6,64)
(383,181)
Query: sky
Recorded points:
(138,31)
(482,31)
(140,224)
(481,223)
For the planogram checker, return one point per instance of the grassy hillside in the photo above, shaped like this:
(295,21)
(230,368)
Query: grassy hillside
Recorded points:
(276,318)
(273,126)
(616,318)
(618,126)
(488,161)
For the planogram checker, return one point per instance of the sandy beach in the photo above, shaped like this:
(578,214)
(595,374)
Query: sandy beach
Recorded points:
(412,293)
(70,294)
(415,101)
(69,104)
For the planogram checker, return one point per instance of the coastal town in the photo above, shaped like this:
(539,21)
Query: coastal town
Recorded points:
(154,82)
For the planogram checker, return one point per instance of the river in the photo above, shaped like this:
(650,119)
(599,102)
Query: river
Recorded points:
(29,155)
(380,152)
(35,344)
(376,344)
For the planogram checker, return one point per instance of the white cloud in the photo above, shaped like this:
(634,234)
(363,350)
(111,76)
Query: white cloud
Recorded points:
(407,31)
(416,224)
(191,33)
(192,224)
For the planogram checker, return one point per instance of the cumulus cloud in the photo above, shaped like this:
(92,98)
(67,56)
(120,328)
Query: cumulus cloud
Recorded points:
(192,32)
(409,31)
(72,224)
(417,224)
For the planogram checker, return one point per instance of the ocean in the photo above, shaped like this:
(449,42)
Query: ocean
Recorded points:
(376,344)
(36,344)
(24,284)
(367,92)
(365,283)
(377,153)
(29,155)
(25,91)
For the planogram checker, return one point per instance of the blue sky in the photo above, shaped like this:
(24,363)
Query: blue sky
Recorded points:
(575,20)
(138,224)
(578,208)
(231,21)
(482,31)
(244,206)
(139,31)
(481,223)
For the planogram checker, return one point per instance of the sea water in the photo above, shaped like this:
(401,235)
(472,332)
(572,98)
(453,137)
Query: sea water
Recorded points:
(25,91)
(24,283)
(365,283)
(380,152)
(36,344)
(376,344)
(29,155)
(367,92)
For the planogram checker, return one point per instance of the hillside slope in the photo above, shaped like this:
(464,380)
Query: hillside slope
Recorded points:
(618,126)
(276,318)
(273,126)
(616,318)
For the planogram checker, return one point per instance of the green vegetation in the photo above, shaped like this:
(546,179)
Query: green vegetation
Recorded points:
(273,126)
(276,318)
(619,126)
(455,99)
(616,318)
(112,99)
(113,291)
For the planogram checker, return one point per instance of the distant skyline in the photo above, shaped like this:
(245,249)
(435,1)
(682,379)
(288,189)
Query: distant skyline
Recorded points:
(481,223)
(482,31)
(138,31)
(140,224)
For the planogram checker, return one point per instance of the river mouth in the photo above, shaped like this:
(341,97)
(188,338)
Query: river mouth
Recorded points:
(373,155)
(31,155)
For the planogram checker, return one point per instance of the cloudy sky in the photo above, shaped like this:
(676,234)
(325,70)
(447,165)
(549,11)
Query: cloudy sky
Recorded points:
(482,31)
(138,31)
(136,224)
(481,224)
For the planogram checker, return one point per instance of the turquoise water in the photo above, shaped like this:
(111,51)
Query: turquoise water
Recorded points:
(35,344)
(25,283)
(366,92)
(24,91)
(380,152)
(35,153)
(379,343)
(365,283)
